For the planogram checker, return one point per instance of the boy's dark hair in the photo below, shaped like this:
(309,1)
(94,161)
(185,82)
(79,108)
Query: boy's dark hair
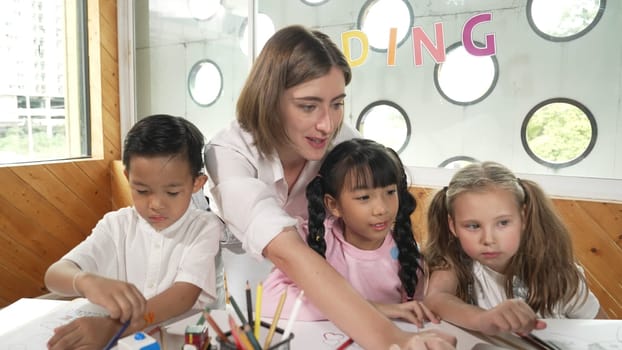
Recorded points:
(372,165)
(165,135)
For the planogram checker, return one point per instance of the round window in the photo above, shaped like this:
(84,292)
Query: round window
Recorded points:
(558,132)
(314,2)
(465,79)
(457,162)
(265,29)
(563,20)
(385,122)
(205,83)
(377,17)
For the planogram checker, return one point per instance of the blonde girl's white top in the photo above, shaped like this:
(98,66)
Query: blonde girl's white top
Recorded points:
(489,291)
(123,246)
(250,191)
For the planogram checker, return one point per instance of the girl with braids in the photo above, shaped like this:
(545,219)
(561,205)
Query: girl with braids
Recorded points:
(359,221)
(500,257)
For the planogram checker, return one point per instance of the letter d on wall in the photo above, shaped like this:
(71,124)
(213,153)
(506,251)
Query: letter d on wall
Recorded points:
(346,38)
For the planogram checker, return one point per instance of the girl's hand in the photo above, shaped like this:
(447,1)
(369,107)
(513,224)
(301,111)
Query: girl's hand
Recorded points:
(84,333)
(428,340)
(411,311)
(513,315)
(122,300)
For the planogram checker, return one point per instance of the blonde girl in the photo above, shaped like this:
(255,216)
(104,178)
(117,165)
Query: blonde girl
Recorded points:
(500,256)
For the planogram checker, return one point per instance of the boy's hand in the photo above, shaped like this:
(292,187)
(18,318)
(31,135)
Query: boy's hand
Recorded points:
(411,311)
(84,333)
(512,315)
(122,300)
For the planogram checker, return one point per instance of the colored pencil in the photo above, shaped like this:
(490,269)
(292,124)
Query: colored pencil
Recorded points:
(237,310)
(293,315)
(246,343)
(275,320)
(115,338)
(201,319)
(346,344)
(257,326)
(224,277)
(235,332)
(249,304)
(249,333)
(219,333)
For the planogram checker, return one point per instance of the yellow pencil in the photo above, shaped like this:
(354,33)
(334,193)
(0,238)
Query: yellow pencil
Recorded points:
(257,326)
(275,320)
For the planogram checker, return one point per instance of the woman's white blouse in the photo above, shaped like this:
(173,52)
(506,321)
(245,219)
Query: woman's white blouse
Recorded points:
(250,191)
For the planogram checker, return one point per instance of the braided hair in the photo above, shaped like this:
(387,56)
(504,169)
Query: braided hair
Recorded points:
(372,165)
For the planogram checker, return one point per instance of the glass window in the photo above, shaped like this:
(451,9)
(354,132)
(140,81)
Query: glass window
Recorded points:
(203,10)
(385,122)
(563,20)
(43,104)
(465,79)
(558,132)
(265,29)
(377,17)
(457,162)
(205,83)
(314,2)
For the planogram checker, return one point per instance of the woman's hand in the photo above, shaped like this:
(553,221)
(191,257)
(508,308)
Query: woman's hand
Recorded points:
(84,333)
(411,311)
(122,300)
(513,315)
(428,340)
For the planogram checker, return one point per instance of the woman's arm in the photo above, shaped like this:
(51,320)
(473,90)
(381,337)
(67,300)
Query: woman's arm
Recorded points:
(412,311)
(334,296)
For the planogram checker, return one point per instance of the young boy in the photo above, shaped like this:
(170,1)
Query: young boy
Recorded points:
(153,261)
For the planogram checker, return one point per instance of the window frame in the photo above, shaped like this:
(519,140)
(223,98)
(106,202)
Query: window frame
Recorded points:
(579,158)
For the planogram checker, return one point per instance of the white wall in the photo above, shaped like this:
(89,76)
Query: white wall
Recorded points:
(531,69)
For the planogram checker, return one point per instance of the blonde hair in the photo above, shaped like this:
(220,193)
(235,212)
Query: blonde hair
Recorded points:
(292,56)
(544,262)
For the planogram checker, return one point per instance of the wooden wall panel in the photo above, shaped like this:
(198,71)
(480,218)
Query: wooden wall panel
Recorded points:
(596,230)
(47,209)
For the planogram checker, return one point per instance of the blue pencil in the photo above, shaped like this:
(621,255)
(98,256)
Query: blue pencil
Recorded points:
(115,338)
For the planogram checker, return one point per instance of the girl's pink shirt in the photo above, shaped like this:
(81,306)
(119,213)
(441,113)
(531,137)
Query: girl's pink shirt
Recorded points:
(373,273)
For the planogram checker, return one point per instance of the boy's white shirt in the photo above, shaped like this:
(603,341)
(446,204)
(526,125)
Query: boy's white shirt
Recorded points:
(124,246)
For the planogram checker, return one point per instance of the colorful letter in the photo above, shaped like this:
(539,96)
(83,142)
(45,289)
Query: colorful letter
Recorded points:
(467,36)
(392,47)
(420,38)
(345,44)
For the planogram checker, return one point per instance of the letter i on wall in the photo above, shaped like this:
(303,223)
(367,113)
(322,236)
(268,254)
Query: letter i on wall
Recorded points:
(392,47)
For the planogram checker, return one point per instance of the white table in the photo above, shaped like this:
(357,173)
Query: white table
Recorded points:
(322,335)
(28,323)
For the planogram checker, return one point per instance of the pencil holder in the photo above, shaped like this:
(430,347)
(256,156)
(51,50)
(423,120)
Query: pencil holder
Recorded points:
(278,343)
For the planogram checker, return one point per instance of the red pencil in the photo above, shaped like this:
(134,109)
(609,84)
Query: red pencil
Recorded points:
(346,344)
(235,333)
(215,327)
